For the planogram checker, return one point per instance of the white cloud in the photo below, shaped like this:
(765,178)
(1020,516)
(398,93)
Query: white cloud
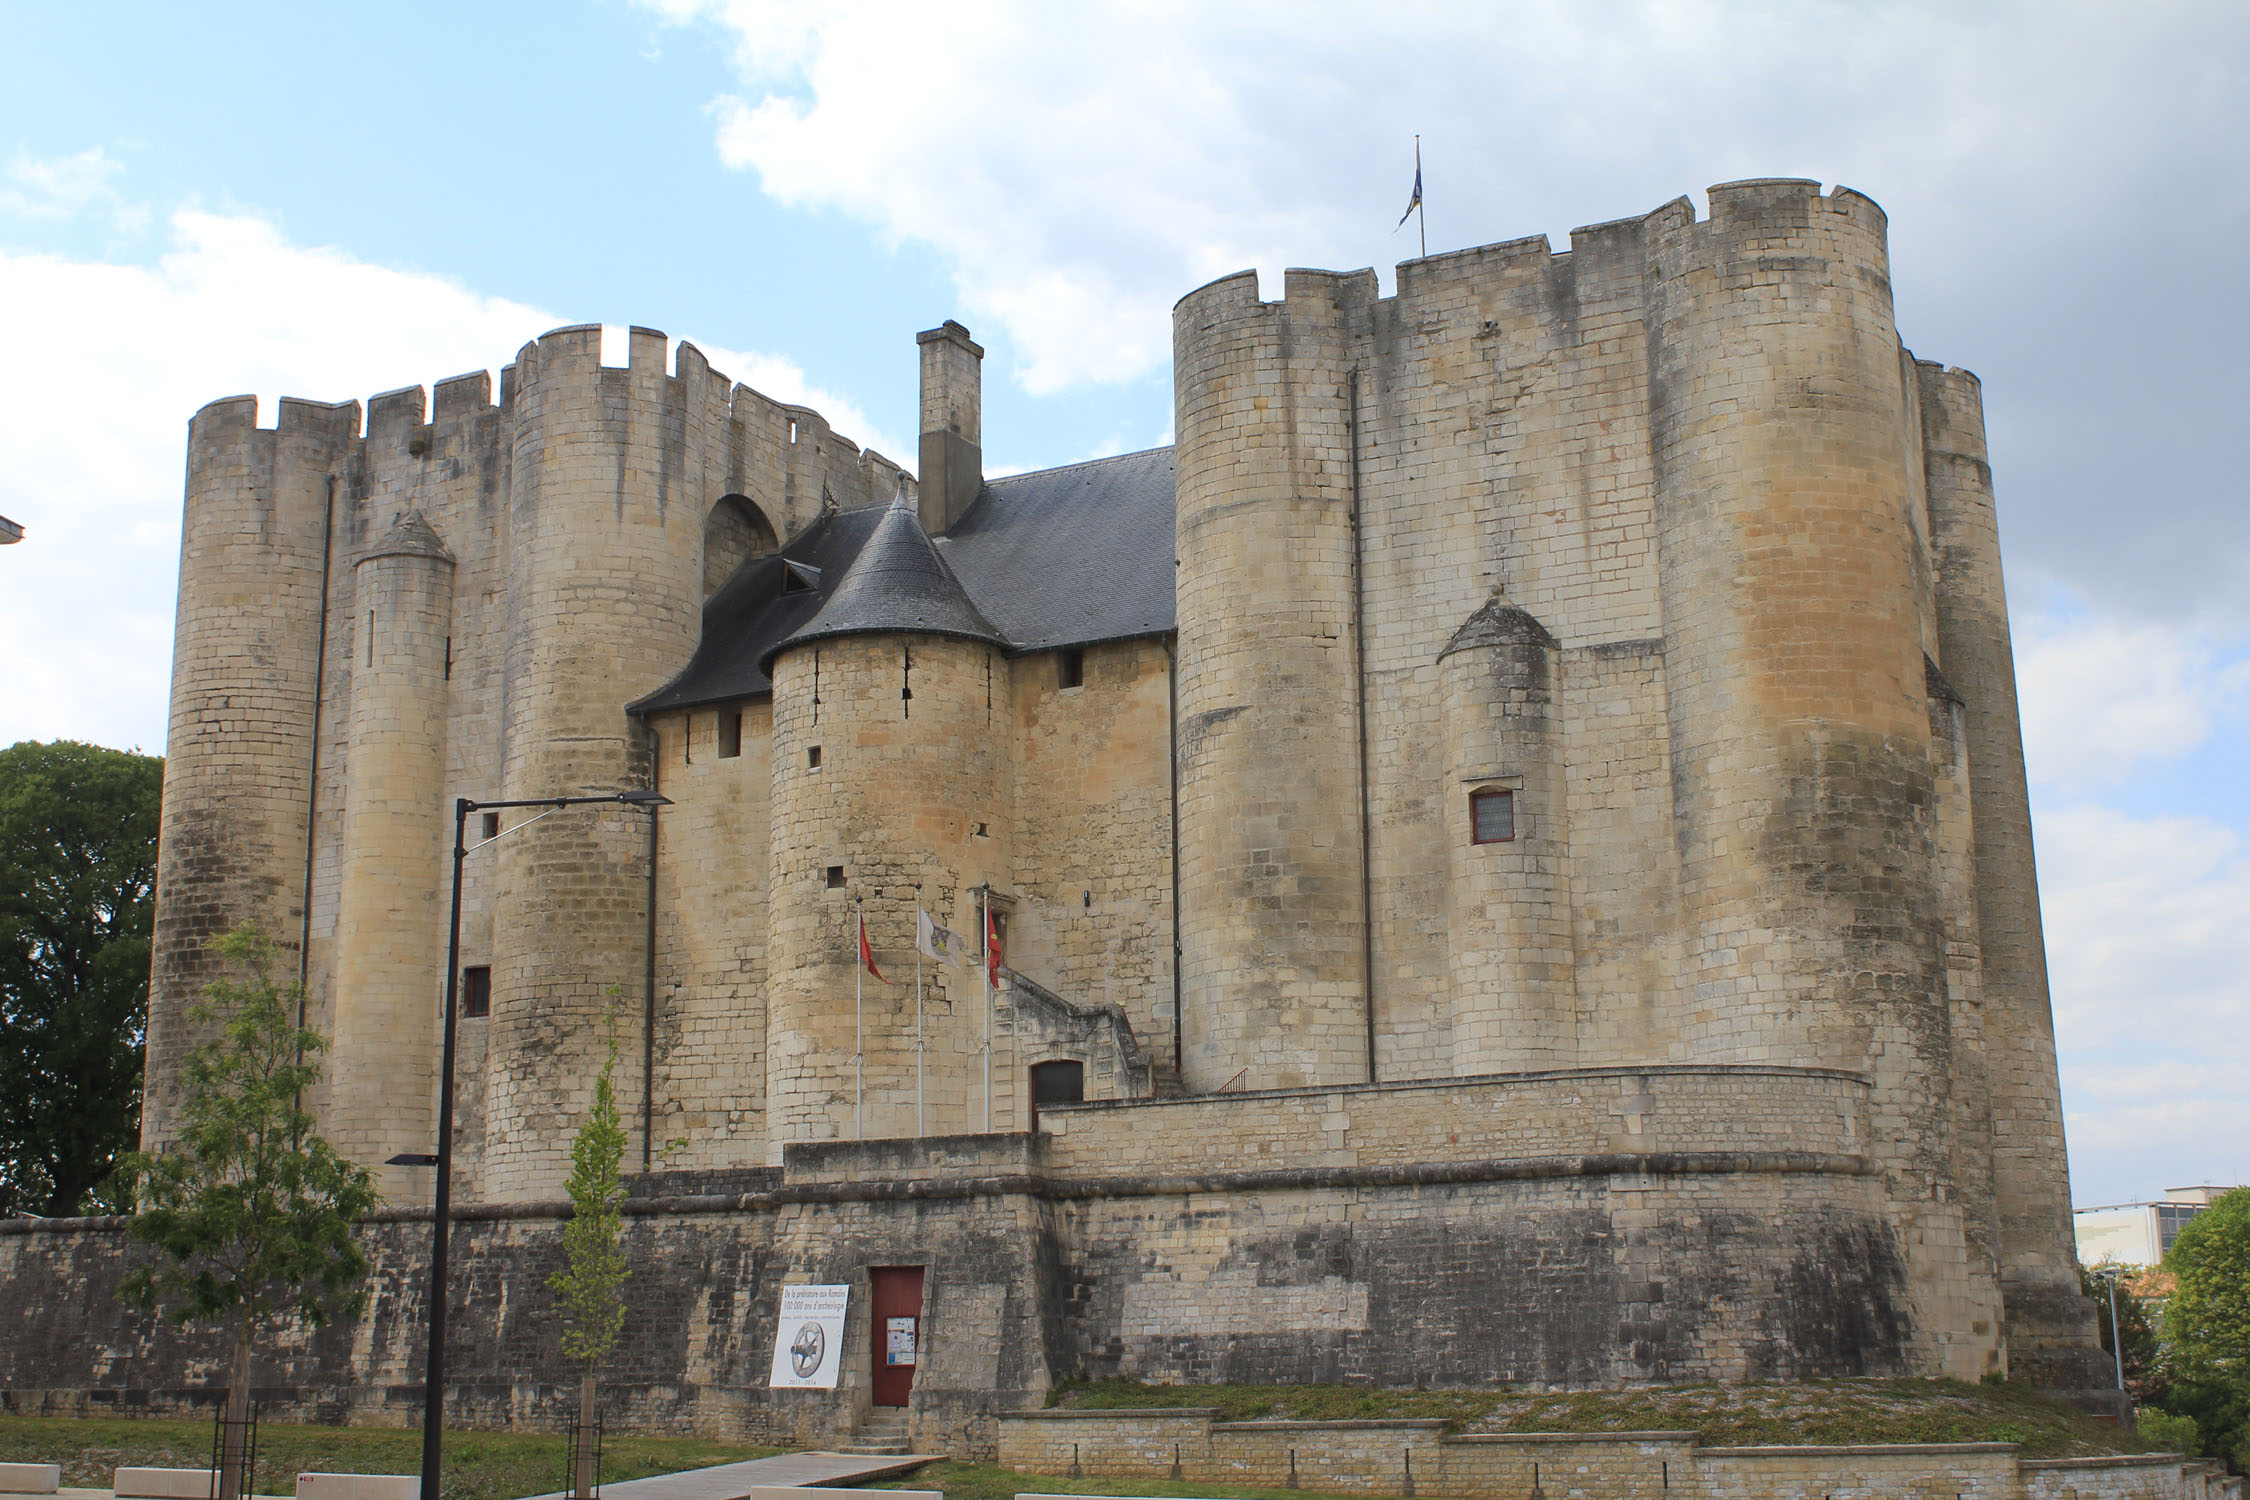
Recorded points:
(2148,940)
(2064,191)
(2103,695)
(108,361)
(60,186)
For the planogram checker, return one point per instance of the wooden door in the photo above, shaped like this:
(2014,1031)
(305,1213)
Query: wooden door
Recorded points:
(896,1313)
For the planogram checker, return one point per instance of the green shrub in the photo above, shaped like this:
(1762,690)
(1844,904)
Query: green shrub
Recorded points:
(2177,1434)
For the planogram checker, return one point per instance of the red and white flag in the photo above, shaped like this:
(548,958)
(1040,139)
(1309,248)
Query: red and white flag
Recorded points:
(867,954)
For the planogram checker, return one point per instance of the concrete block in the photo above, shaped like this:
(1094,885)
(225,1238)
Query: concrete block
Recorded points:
(30,1479)
(359,1487)
(165,1484)
(834,1492)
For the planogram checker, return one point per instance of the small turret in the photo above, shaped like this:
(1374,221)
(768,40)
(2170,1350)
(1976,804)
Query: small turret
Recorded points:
(390,964)
(891,790)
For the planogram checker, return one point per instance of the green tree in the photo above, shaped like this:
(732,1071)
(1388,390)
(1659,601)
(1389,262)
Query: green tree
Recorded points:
(2207,1325)
(251,1209)
(591,1284)
(2148,1371)
(77,899)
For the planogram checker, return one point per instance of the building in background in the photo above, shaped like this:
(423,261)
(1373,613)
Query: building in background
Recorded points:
(2138,1234)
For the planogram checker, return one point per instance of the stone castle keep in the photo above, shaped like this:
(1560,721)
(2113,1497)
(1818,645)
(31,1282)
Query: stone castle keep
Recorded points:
(1511,841)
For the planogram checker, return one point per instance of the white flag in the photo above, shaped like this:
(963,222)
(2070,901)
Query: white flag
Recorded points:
(936,942)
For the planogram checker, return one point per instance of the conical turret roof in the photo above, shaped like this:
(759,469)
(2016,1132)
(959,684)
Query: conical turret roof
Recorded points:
(898,585)
(410,536)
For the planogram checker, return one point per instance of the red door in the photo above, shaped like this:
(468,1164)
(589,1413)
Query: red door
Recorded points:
(898,1331)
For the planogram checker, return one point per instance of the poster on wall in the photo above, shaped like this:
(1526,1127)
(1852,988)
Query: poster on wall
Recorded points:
(809,1338)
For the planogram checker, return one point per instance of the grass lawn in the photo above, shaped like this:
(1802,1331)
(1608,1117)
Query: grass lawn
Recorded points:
(1820,1411)
(478,1465)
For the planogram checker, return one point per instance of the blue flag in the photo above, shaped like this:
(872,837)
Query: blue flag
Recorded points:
(1413,202)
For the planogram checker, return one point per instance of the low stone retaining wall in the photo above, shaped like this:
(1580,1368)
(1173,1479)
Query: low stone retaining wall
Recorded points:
(1412,1457)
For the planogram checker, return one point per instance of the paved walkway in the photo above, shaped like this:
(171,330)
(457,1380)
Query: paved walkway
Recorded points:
(734,1481)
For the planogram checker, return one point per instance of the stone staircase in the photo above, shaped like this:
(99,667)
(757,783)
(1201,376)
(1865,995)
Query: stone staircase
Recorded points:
(883,1432)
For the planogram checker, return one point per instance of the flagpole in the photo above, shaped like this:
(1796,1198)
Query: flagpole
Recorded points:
(1421,201)
(859,1046)
(921,1120)
(984,980)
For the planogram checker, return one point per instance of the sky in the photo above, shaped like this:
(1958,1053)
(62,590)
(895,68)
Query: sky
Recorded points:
(330,201)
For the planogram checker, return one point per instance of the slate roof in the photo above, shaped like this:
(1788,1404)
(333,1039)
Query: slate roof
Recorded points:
(897,583)
(1062,557)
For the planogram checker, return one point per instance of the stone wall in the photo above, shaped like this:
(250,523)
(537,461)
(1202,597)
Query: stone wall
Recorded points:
(1420,1457)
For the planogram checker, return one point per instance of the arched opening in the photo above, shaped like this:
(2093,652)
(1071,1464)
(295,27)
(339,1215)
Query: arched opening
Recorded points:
(734,532)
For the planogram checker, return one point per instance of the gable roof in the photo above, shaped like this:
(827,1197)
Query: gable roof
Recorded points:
(1060,557)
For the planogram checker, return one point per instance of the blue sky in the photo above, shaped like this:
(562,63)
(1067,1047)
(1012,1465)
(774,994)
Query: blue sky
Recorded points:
(328,201)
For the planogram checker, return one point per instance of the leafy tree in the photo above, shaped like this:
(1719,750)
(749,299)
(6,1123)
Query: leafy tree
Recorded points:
(77,897)
(2148,1370)
(252,1210)
(590,1286)
(2207,1325)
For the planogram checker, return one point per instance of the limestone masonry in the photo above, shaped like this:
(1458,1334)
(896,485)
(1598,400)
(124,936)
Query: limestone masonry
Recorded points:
(1510,842)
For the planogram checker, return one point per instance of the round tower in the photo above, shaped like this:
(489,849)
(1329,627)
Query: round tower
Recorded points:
(1794,580)
(604,601)
(891,766)
(1272,916)
(1793,651)
(390,919)
(238,756)
(1508,920)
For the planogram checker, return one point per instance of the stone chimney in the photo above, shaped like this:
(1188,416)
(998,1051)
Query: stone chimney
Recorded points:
(952,425)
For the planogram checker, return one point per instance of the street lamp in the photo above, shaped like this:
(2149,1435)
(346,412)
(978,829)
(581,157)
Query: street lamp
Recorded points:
(441,1230)
(2116,1339)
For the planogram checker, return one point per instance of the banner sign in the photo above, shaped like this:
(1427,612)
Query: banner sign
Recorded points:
(809,1339)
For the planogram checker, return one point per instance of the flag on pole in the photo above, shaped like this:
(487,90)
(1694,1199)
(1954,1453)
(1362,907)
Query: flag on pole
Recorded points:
(939,943)
(867,954)
(992,950)
(1415,201)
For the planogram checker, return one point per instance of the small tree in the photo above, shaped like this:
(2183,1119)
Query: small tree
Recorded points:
(2207,1325)
(590,1286)
(252,1210)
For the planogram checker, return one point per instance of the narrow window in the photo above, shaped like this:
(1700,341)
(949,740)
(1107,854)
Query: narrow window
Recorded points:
(812,757)
(835,877)
(730,733)
(1062,1082)
(476,993)
(491,825)
(371,638)
(1070,669)
(1492,816)
(982,832)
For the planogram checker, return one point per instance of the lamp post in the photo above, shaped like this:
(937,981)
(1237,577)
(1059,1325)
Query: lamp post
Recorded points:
(2116,1338)
(441,1230)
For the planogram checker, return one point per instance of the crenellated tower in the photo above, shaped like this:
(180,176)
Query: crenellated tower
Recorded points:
(1273,919)
(238,793)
